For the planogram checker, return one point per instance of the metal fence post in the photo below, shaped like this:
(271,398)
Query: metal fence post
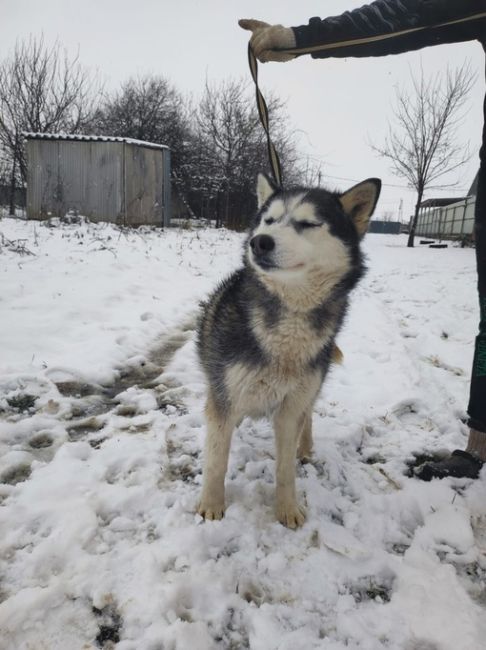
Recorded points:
(464,216)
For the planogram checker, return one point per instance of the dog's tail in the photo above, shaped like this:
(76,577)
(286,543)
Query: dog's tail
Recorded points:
(336,355)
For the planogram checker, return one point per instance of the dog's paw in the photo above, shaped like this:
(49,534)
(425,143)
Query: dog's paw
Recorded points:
(290,515)
(211,511)
(304,454)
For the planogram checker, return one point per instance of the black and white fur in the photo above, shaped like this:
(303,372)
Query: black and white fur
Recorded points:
(266,335)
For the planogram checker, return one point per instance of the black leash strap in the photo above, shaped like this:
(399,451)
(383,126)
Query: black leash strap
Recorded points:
(263,113)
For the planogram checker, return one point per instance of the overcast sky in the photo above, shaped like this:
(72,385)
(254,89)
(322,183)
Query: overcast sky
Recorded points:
(336,106)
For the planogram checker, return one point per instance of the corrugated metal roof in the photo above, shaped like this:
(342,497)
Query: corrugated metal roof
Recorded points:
(439,203)
(91,138)
(473,190)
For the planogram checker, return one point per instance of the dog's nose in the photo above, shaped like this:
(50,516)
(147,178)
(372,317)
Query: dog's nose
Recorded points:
(262,244)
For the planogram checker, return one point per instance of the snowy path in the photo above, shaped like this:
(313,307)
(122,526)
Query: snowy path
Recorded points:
(100,461)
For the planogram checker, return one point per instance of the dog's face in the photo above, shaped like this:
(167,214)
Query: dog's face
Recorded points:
(307,230)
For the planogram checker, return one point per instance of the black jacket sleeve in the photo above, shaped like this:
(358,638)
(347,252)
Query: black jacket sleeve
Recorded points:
(393,26)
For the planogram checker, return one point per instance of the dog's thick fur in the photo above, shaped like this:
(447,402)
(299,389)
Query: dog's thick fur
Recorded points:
(266,335)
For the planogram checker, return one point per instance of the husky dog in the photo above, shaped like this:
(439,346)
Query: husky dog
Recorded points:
(266,335)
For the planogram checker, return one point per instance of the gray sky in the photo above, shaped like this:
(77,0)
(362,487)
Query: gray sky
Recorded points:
(336,106)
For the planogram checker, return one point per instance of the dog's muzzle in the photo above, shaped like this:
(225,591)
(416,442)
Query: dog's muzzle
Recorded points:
(262,247)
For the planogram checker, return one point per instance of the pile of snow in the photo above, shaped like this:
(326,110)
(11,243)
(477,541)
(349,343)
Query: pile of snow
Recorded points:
(101,430)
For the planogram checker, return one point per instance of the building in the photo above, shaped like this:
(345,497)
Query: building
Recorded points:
(119,180)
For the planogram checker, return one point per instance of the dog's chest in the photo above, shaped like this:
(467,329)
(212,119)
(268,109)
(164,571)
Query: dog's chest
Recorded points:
(291,341)
(289,344)
(288,347)
(257,391)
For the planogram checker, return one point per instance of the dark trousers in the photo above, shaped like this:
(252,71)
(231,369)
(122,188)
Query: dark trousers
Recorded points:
(477,396)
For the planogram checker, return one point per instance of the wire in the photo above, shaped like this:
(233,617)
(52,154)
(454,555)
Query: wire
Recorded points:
(462,191)
(402,187)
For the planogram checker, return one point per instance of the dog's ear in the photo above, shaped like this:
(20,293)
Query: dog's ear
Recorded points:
(265,189)
(360,202)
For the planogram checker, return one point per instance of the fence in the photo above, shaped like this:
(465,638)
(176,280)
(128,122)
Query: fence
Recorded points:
(20,196)
(454,221)
(385,227)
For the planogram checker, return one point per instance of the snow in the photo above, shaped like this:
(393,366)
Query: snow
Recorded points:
(101,430)
(81,137)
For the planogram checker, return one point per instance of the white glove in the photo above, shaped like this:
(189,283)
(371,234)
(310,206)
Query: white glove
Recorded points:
(267,40)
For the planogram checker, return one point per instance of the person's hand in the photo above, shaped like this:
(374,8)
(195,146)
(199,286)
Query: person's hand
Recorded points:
(267,40)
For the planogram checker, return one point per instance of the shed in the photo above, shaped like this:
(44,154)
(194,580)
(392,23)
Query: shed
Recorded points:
(113,179)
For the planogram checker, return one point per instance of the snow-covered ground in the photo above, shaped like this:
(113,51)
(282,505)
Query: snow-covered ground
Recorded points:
(101,430)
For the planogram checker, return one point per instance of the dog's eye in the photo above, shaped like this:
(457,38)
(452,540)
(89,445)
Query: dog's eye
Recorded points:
(307,224)
(269,221)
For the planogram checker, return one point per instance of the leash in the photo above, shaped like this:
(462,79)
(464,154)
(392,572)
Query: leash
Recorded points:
(262,105)
(263,113)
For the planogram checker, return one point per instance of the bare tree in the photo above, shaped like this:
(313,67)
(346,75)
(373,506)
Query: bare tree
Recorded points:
(41,90)
(422,142)
(150,108)
(232,148)
(311,173)
(147,108)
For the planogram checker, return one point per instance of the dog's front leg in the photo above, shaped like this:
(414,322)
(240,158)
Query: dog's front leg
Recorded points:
(288,423)
(216,452)
(293,418)
(304,450)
